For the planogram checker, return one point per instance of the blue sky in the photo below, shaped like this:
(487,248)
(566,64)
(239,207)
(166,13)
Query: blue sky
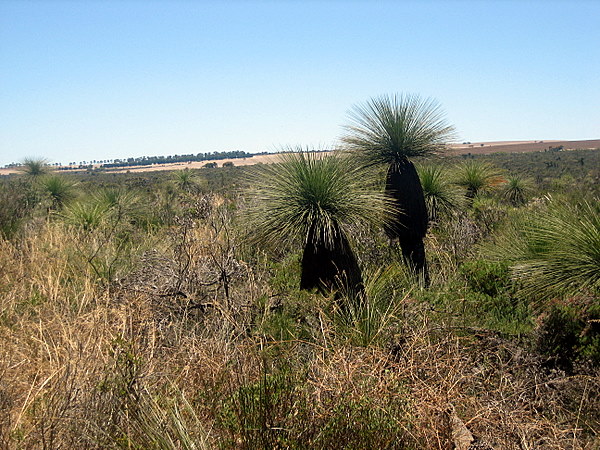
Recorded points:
(83,80)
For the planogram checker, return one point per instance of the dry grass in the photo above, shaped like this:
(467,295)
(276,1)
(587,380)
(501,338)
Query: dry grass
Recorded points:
(134,364)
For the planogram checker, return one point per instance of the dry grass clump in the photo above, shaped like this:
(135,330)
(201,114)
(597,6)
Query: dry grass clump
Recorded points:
(182,353)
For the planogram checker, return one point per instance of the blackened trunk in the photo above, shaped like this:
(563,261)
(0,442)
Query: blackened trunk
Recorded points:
(410,224)
(330,264)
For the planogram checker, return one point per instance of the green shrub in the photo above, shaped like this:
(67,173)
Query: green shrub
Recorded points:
(17,202)
(441,196)
(569,330)
(487,277)
(258,413)
(476,177)
(491,299)
(58,188)
(516,189)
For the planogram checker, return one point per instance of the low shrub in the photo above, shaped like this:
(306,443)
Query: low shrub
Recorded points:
(17,202)
(569,331)
(487,277)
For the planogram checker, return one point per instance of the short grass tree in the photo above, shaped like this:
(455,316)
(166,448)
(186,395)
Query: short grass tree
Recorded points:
(316,199)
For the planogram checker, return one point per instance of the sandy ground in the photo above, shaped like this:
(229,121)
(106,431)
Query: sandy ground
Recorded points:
(477,148)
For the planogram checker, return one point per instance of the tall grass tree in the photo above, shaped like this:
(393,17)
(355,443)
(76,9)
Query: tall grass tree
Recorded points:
(316,199)
(388,131)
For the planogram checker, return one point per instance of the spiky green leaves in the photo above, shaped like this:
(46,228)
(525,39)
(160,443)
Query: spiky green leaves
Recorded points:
(387,129)
(556,253)
(34,167)
(58,188)
(441,196)
(477,176)
(515,190)
(188,180)
(312,191)
(108,203)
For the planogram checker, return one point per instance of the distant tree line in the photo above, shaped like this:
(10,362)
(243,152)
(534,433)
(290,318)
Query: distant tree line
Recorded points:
(149,160)
(146,160)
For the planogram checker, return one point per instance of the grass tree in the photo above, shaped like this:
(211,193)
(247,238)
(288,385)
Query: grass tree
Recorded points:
(60,189)
(441,196)
(515,190)
(316,199)
(555,253)
(119,201)
(34,167)
(185,179)
(85,214)
(388,131)
(476,177)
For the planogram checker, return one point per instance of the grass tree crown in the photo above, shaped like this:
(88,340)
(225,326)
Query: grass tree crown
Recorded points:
(555,253)
(312,196)
(390,128)
(34,167)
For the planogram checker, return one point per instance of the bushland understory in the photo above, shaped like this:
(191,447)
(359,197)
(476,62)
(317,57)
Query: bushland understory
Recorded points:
(137,314)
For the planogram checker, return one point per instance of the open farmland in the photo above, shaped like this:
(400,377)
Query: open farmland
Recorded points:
(485,148)
(475,148)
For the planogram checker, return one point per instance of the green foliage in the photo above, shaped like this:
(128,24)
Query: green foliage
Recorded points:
(359,423)
(259,412)
(506,313)
(555,252)
(108,227)
(388,129)
(121,203)
(370,321)
(487,213)
(162,422)
(141,419)
(570,330)
(476,177)
(487,277)
(276,411)
(516,189)
(309,191)
(492,298)
(60,189)
(34,167)
(441,196)
(85,214)
(17,202)
(187,180)
(550,174)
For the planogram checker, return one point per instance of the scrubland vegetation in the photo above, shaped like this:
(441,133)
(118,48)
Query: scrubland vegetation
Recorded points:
(164,310)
